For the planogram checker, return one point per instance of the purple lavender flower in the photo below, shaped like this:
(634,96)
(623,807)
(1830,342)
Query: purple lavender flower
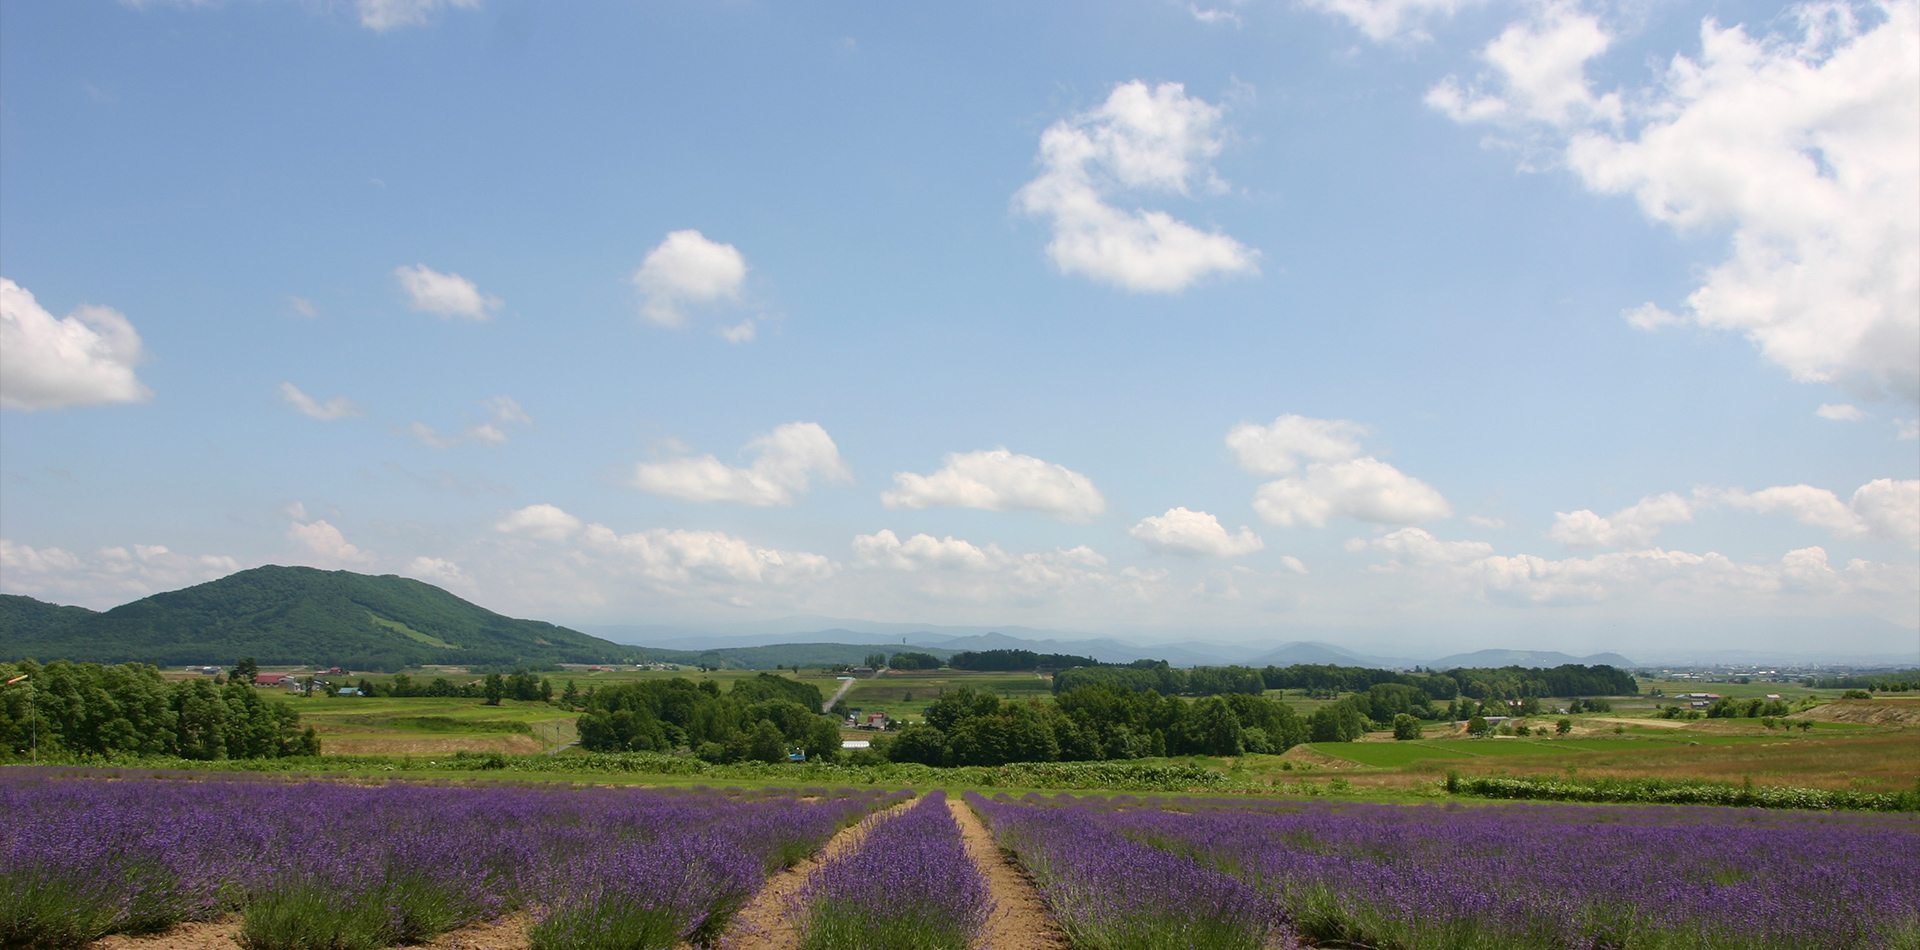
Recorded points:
(909,886)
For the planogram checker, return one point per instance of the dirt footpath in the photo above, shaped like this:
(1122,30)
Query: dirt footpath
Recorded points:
(770,920)
(1019,920)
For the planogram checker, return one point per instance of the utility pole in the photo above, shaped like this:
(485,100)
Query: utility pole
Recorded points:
(33,721)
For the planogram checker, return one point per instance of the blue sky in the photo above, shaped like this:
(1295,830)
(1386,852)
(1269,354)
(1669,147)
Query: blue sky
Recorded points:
(1414,325)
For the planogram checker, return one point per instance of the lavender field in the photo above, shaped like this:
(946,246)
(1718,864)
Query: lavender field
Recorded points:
(1511,877)
(348,866)
(325,865)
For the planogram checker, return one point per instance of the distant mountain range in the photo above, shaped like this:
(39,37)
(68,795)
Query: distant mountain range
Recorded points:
(796,630)
(298,615)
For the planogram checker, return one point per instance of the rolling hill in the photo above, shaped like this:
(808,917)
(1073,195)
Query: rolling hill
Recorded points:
(297,615)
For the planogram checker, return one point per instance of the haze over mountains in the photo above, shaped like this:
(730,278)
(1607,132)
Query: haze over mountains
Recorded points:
(298,615)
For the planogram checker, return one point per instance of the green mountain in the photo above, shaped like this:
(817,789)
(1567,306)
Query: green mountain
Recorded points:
(25,617)
(297,615)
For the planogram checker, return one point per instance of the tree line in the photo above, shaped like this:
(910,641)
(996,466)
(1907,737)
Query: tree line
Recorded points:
(130,710)
(1016,661)
(1486,685)
(760,719)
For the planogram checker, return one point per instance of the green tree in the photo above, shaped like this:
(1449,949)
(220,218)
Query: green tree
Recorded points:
(246,671)
(920,743)
(1405,726)
(571,697)
(494,689)
(1477,725)
(1214,729)
(1565,726)
(766,743)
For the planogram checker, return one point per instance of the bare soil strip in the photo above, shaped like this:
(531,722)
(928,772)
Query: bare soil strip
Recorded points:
(1019,920)
(207,935)
(771,920)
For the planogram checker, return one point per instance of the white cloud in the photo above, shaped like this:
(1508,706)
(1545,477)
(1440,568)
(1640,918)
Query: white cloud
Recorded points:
(1292,564)
(1650,575)
(1337,480)
(694,559)
(106,578)
(1887,509)
(439,571)
(383,15)
(884,549)
(302,307)
(1635,526)
(955,570)
(83,359)
(786,458)
(326,545)
(449,295)
(1364,488)
(1890,509)
(1140,139)
(1482,521)
(1906,429)
(1383,20)
(742,332)
(546,522)
(998,480)
(1280,448)
(501,410)
(1800,144)
(1843,412)
(338,407)
(684,269)
(1180,531)
(1213,16)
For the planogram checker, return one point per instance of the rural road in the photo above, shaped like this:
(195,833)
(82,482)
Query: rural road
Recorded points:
(845,685)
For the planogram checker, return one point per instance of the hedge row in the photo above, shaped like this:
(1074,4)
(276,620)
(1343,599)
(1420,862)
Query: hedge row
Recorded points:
(1663,792)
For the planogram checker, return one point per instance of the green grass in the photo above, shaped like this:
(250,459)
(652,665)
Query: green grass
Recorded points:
(1386,755)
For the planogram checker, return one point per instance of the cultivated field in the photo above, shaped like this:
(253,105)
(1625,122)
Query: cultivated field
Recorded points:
(182,859)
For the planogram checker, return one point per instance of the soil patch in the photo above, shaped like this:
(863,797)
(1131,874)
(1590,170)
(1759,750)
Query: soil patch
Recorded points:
(507,933)
(223,934)
(390,744)
(1019,920)
(771,921)
(1881,712)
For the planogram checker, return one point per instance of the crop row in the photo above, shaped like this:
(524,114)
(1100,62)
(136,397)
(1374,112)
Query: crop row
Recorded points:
(1513,877)
(347,867)
(909,886)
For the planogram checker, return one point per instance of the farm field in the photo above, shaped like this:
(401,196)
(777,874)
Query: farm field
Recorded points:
(306,865)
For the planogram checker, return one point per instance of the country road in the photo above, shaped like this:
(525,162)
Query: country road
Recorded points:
(845,685)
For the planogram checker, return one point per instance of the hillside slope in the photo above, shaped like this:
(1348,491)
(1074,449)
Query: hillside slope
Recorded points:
(22,616)
(300,615)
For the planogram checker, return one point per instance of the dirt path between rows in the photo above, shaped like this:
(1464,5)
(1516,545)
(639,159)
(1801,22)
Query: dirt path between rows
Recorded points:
(771,921)
(1019,920)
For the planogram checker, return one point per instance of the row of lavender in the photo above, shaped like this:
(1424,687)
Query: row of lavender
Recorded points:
(909,885)
(339,866)
(1125,873)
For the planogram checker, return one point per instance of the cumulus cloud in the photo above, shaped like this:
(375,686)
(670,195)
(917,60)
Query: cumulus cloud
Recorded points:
(439,571)
(1843,412)
(1885,508)
(383,15)
(339,407)
(1799,144)
(1649,574)
(1337,478)
(1194,533)
(1281,448)
(691,559)
(1141,139)
(326,546)
(785,461)
(1383,20)
(108,577)
(546,522)
(685,269)
(1635,526)
(449,295)
(1292,564)
(85,358)
(951,568)
(999,480)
